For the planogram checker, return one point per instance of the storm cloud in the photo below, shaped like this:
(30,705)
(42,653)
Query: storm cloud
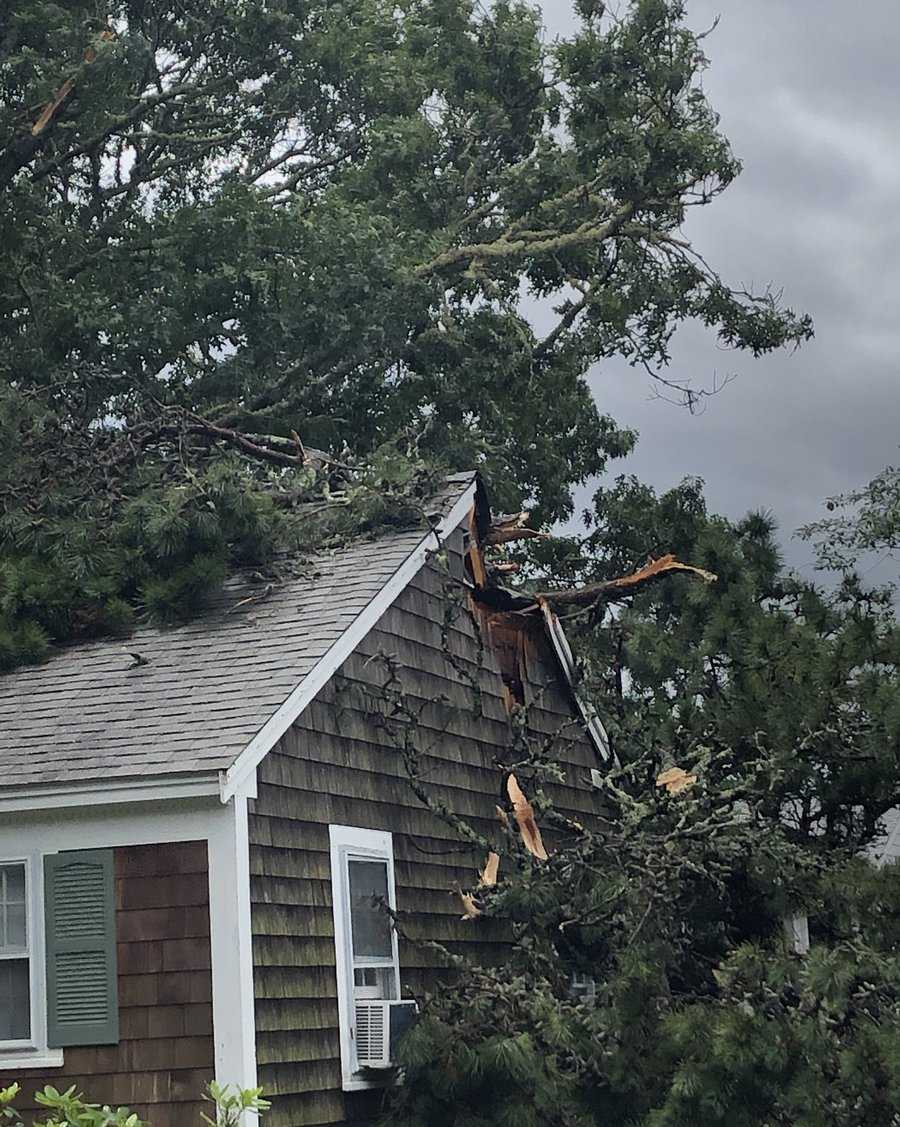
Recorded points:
(808,92)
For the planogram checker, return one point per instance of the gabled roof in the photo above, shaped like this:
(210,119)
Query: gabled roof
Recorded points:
(228,683)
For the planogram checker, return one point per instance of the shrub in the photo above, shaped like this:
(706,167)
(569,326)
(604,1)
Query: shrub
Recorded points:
(69,1109)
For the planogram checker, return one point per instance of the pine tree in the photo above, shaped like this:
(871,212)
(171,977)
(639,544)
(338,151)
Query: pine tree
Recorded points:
(757,725)
(237,228)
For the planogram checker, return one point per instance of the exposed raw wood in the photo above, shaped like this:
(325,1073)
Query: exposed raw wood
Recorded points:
(62,95)
(528,827)
(338,765)
(471,911)
(505,568)
(475,552)
(505,529)
(488,876)
(675,780)
(625,584)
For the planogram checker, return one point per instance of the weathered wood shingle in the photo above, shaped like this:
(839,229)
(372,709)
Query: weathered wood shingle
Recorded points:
(338,765)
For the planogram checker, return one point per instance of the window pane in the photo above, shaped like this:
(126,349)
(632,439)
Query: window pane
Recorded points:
(374,982)
(14,879)
(370,923)
(12,907)
(15,1000)
(15,925)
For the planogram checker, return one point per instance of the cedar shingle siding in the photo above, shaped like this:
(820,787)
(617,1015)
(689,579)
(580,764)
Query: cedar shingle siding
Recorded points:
(338,766)
(164,1058)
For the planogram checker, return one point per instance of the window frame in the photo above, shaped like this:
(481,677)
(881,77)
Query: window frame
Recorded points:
(32,1052)
(18,1044)
(350,843)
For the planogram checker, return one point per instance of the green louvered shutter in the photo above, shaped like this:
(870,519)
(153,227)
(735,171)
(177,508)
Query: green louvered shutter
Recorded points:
(82,991)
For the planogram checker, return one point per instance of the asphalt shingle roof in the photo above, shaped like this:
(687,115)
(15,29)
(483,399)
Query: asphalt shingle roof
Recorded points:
(208,686)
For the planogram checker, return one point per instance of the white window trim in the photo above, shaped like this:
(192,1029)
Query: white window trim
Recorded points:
(33,1052)
(348,842)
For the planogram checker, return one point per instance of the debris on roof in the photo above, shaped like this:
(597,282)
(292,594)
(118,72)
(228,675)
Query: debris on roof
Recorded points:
(188,700)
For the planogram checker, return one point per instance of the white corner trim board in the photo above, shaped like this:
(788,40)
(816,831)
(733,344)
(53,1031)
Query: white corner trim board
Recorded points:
(231,947)
(319,676)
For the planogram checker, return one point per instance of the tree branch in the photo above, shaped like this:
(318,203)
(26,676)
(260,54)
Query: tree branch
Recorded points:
(517,242)
(623,585)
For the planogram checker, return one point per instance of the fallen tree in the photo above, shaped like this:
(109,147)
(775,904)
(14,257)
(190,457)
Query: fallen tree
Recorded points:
(225,244)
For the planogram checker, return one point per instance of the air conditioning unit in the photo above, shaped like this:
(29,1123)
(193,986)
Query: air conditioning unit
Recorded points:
(379,1027)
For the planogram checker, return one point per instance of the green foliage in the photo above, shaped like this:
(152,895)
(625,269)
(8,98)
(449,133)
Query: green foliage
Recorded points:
(868,521)
(8,1113)
(87,559)
(782,700)
(232,1105)
(269,218)
(69,1109)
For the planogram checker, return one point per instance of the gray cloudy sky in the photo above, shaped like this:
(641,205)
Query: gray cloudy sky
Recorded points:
(808,92)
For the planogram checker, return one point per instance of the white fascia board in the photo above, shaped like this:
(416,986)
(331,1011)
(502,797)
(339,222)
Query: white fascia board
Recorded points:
(321,673)
(592,721)
(107,792)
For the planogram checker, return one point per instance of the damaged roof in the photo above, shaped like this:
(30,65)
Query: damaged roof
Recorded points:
(205,690)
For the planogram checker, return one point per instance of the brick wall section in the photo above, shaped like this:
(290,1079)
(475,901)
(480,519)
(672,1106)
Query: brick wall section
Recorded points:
(164,1058)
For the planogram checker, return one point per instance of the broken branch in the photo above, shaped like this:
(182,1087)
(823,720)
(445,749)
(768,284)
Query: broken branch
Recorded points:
(515,527)
(488,876)
(524,814)
(625,584)
(53,106)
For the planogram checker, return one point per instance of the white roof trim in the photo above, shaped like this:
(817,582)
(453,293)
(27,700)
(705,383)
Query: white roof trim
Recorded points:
(592,721)
(109,792)
(321,673)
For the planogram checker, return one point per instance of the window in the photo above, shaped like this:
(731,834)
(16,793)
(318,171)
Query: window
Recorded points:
(362,878)
(15,956)
(58,982)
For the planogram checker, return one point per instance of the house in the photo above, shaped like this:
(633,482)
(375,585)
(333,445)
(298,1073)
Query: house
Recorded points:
(192,836)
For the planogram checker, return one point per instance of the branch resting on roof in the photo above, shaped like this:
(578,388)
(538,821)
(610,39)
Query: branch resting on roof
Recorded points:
(264,447)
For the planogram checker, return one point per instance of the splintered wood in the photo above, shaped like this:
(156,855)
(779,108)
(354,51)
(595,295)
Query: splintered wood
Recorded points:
(524,814)
(675,780)
(625,584)
(53,106)
(515,527)
(488,875)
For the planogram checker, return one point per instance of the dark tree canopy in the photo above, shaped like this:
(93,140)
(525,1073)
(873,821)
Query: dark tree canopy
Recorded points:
(236,218)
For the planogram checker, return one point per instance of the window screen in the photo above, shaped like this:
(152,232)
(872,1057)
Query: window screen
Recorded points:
(371,925)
